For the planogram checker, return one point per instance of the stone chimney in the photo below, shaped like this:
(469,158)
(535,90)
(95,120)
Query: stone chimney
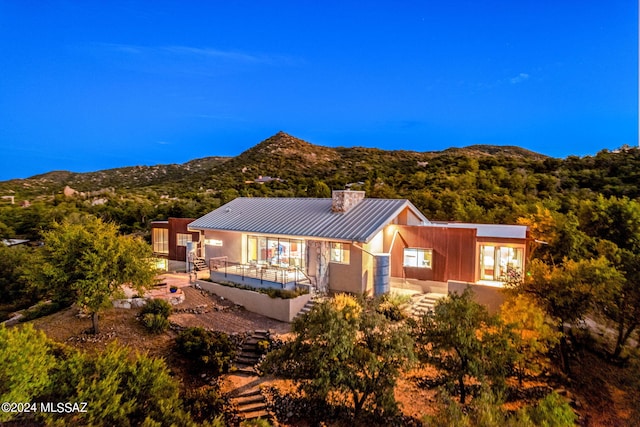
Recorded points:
(343,200)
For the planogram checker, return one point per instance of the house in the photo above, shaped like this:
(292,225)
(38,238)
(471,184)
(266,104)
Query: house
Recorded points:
(349,243)
(169,240)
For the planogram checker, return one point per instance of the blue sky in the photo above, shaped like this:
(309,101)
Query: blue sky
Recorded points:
(88,85)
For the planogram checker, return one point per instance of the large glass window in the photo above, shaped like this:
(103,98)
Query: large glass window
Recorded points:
(340,252)
(417,257)
(160,239)
(274,251)
(496,260)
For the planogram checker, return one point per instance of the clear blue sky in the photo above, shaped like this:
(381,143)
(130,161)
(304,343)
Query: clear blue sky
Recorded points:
(88,85)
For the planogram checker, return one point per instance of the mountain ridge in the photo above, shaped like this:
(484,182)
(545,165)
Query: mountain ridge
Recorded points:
(280,155)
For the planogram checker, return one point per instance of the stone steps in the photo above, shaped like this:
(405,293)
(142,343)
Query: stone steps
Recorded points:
(422,304)
(251,405)
(249,354)
(307,307)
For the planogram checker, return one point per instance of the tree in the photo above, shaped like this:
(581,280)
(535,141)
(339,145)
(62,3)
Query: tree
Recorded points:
(346,346)
(462,340)
(86,261)
(568,292)
(15,286)
(534,336)
(622,305)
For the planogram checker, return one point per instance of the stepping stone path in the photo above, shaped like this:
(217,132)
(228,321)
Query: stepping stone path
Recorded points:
(248,399)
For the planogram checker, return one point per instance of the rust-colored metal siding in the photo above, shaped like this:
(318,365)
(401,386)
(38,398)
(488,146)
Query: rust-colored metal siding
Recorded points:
(176,226)
(454,253)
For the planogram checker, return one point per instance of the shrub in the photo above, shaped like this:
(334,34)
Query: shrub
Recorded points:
(553,410)
(157,306)
(155,323)
(205,403)
(263,346)
(212,351)
(256,422)
(41,309)
(272,292)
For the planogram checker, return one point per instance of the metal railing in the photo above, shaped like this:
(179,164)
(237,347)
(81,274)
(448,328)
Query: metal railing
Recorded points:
(266,274)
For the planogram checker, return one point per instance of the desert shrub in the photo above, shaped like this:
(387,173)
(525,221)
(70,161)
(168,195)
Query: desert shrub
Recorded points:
(120,390)
(157,306)
(257,422)
(155,323)
(263,346)
(272,292)
(390,306)
(553,410)
(42,309)
(212,351)
(205,403)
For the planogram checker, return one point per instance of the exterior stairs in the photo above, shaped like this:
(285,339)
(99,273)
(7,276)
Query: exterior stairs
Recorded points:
(251,404)
(199,264)
(250,354)
(308,306)
(421,304)
(248,399)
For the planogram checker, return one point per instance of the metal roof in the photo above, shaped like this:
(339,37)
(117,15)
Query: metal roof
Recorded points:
(305,217)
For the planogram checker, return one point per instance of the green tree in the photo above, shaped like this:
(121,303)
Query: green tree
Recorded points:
(88,262)
(15,286)
(568,292)
(462,340)
(346,346)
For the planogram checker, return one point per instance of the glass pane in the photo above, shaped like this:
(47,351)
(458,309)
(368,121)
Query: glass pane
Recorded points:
(410,257)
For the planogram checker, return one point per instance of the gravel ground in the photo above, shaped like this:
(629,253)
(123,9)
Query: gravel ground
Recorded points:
(210,311)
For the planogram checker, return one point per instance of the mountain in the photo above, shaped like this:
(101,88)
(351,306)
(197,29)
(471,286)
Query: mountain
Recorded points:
(118,178)
(295,165)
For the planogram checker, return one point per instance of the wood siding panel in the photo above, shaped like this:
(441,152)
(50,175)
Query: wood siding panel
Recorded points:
(453,253)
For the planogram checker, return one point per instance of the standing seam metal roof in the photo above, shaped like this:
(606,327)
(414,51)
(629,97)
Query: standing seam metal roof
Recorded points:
(304,217)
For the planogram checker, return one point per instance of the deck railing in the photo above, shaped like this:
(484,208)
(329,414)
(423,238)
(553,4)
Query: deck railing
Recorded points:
(266,274)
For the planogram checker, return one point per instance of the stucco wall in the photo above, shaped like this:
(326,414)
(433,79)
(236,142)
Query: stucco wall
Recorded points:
(284,310)
(231,245)
(348,277)
(490,296)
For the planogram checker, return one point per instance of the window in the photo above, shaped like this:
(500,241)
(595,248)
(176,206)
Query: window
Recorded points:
(495,261)
(420,258)
(340,253)
(183,239)
(273,251)
(160,239)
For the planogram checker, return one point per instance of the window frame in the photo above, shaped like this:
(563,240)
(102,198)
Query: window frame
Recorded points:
(181,239)
(417,256)
(343,253)
(160,238)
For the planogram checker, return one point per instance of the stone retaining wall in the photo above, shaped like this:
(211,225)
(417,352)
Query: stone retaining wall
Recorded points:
(127,303)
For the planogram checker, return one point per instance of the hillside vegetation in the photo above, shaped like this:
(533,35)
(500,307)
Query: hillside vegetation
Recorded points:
(478,183)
